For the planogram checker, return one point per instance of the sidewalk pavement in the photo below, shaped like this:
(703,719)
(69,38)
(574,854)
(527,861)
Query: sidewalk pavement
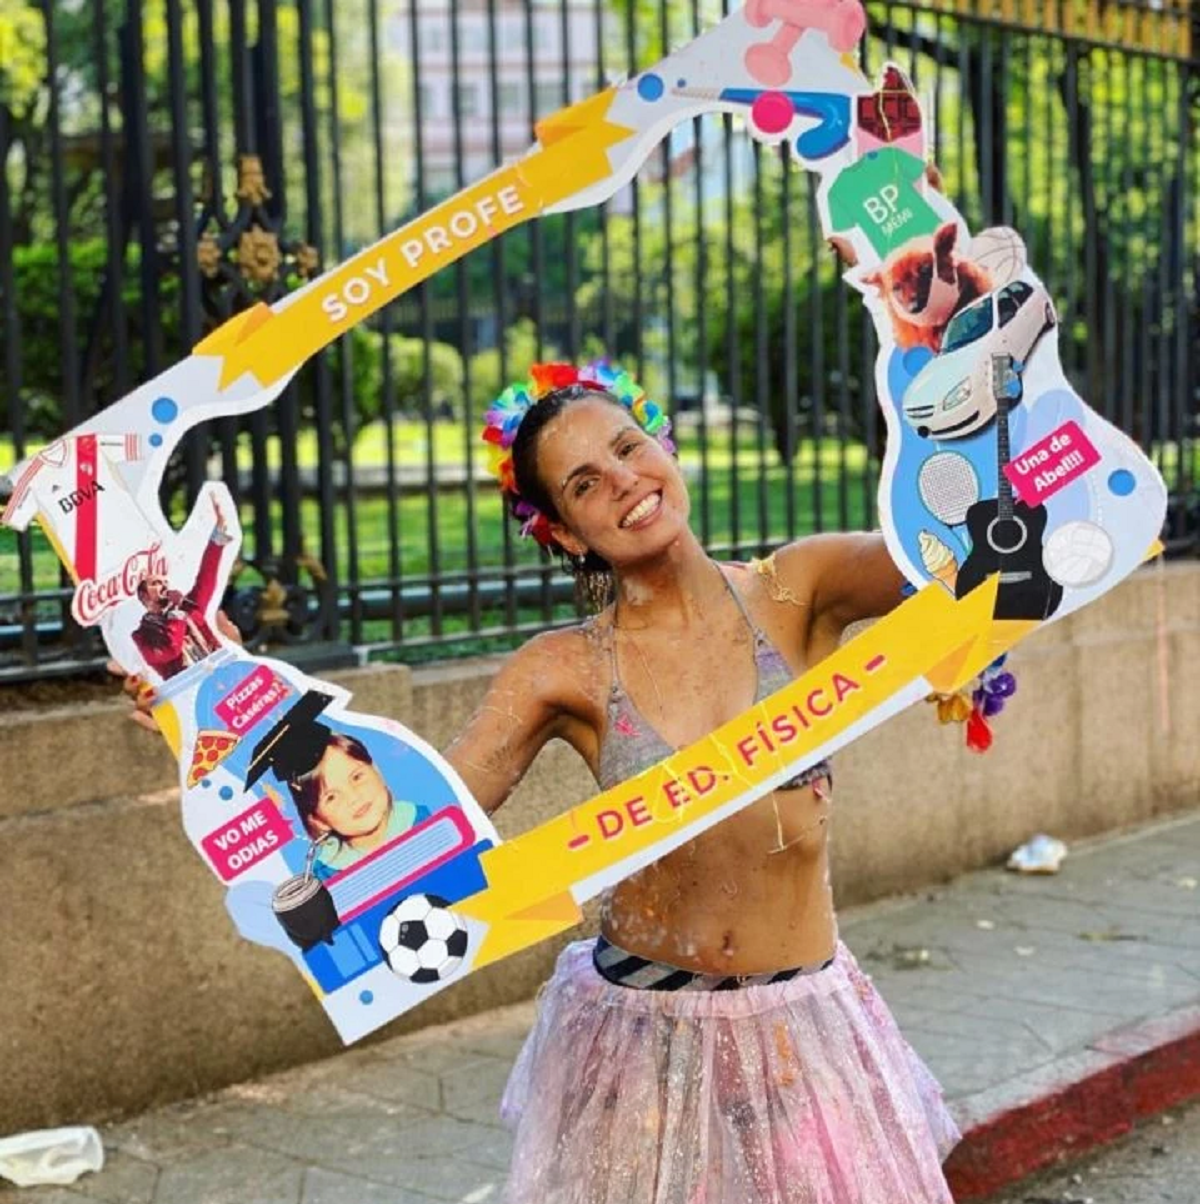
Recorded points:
(1055,1011)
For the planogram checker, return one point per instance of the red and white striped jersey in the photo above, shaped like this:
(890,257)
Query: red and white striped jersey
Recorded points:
(74,489)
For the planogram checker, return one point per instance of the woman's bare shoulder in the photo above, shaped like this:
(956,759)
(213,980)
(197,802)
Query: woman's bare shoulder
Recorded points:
(788,575)
(566,664)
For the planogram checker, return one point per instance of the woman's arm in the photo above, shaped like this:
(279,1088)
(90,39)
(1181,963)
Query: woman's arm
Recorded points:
(519,714)
(845,578)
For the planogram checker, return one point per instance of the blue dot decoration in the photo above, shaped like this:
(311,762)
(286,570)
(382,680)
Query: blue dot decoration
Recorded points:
(681,83)
(1122,482)
(651,87)
(206,783)
(915,358)
(156,440)
(367,997)
(164,410)
(226,793)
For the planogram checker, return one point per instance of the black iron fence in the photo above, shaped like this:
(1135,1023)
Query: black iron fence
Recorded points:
(168,163)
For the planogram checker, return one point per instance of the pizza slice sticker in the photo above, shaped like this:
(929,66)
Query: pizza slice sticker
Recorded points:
(212,747)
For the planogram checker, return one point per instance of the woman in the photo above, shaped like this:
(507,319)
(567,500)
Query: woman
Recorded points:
(717,1043)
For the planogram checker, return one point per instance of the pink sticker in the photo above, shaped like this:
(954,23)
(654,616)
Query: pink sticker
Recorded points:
(251,700)
(1052,464)
(246,840)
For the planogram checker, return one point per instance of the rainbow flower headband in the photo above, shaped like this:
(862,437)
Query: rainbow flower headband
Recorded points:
(506,413)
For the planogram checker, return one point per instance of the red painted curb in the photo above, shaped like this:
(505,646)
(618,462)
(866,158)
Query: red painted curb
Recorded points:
(1076,1103)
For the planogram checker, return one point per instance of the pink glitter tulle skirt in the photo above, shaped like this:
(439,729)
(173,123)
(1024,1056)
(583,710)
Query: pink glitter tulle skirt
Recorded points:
(800,1092)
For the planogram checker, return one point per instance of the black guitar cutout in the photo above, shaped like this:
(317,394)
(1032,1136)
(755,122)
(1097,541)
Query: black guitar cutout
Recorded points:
(1007,536)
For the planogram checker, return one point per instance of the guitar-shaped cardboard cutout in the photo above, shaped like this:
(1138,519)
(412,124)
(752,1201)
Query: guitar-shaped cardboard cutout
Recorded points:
(345,841)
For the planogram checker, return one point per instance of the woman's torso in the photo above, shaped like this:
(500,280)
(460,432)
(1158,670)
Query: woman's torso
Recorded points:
(752,894)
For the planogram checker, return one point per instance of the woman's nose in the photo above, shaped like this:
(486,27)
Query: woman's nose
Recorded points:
(624,478)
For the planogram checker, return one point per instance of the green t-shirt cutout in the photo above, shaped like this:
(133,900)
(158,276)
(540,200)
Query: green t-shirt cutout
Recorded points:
(879,195)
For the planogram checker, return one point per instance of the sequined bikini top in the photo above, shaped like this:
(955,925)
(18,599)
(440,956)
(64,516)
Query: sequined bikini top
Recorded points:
(630,743)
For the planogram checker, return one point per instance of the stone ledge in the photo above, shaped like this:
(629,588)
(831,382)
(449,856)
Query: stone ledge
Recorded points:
(125,984)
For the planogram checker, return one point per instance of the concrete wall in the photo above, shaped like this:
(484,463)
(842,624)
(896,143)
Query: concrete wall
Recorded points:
(122,983)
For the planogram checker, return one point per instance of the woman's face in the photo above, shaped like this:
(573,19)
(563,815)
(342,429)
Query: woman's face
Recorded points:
(354,801)
(617,490)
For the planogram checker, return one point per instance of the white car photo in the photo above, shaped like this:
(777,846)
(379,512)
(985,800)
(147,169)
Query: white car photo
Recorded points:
(952,397)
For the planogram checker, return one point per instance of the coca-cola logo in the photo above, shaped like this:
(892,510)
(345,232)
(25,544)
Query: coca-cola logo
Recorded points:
(93,598)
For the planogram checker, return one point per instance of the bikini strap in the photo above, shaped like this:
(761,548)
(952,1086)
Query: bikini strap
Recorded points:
(616,688)
(759,637)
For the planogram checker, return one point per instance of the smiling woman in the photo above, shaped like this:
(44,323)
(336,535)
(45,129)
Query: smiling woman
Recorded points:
(716,1041)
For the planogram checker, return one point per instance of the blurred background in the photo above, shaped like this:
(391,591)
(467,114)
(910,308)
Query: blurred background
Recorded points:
(167,164)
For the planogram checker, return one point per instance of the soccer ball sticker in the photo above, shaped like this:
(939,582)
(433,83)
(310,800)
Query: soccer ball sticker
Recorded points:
(423,940)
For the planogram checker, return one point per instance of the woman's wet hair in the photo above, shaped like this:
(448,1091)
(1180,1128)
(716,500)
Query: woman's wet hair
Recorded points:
(306,788)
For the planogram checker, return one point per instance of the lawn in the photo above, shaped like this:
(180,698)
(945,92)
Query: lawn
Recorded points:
(366,526)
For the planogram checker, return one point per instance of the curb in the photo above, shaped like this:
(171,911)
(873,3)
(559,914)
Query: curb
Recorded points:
(1071,1105)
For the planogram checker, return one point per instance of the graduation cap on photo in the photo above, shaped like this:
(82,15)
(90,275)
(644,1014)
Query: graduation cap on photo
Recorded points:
(296,744)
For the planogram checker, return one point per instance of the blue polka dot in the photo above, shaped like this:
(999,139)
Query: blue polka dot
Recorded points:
(1122,482)
(651,87)
(156,441)
(916,358)
(681,83)
(164,410)
(206,782)
(366,997)
(227,793)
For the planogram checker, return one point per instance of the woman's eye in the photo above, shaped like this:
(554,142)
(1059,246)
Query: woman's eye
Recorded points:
(629,447)
(582,488)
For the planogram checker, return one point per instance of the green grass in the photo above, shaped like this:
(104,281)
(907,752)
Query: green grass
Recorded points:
(411,440)
(370,524)
(367,527)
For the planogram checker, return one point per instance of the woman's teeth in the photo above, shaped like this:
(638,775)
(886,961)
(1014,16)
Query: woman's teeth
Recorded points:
(642,510)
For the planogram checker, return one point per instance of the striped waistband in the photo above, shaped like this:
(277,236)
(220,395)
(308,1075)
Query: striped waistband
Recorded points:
(626,969)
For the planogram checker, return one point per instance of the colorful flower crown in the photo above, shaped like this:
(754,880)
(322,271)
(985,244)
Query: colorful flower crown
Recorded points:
(507,412)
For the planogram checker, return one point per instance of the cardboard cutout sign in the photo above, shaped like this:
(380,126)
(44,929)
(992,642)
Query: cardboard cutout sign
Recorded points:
(345,841)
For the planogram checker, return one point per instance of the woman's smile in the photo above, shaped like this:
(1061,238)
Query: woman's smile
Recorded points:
(644,512)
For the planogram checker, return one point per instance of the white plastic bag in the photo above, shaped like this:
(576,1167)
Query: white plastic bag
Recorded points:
(1041,855)
(50,1156)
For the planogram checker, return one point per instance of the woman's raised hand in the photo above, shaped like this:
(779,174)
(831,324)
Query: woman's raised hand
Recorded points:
(142,693)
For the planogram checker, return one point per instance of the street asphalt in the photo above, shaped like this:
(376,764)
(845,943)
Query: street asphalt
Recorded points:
(1159,1163)
(1014,989)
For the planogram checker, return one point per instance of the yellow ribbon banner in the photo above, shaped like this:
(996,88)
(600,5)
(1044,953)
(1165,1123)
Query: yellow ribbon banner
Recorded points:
(537,881)
(572,155)
(932,642)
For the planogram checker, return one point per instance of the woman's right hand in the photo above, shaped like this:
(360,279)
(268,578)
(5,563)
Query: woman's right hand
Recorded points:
(142,692)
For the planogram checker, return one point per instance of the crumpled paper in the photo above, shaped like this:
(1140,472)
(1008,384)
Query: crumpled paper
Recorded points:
(50,1156)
